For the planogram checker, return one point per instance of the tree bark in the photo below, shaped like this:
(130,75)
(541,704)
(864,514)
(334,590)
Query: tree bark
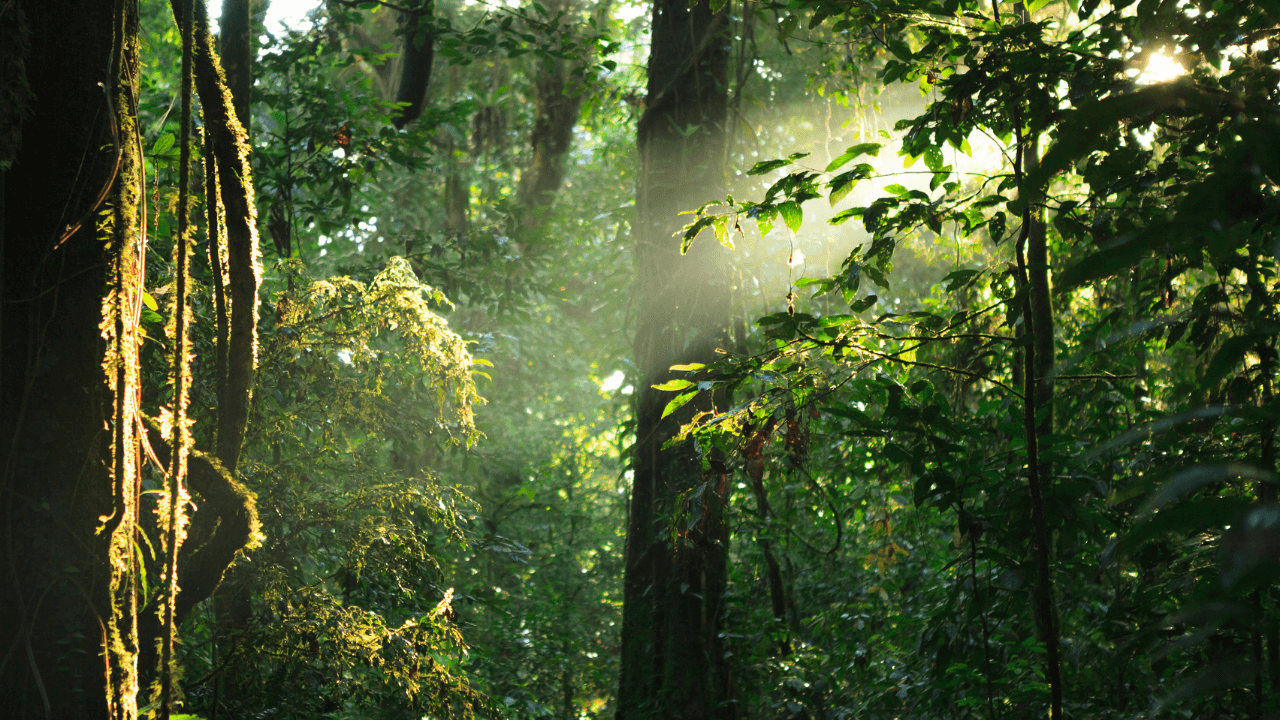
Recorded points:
(235,47)
(70,274)
(672,660)
(418,57)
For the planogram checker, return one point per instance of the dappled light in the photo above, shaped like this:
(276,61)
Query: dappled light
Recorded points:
(683,359)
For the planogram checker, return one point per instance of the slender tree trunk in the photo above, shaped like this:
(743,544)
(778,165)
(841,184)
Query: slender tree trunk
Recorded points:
(1038,422)
(672,663)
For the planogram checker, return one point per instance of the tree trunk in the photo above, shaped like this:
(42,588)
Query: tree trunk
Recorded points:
(69,278)
(672,662)
(71,274)
(235,47)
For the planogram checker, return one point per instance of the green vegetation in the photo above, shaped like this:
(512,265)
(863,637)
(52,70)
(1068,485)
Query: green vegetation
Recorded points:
(577,359)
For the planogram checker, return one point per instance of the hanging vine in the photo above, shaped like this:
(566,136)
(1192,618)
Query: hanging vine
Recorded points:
(121,226)
(174,519)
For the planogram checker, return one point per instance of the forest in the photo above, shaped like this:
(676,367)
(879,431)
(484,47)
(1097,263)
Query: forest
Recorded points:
(689,359)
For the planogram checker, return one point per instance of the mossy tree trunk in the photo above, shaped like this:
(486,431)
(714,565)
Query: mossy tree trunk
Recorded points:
(77,618)
(69,279)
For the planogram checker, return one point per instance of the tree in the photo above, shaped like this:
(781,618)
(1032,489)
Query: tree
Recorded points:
(73,305)
(67,271)
(1131,193)
(672,661)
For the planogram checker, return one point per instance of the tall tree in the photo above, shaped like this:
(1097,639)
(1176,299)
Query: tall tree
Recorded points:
(69,244)
(73,425)
(676,532)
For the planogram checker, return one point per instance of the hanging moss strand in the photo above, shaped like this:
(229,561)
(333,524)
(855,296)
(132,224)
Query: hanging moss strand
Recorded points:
(120,227)
(180,322)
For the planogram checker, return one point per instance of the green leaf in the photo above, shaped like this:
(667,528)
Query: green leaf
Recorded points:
(1185,482)
(1117,256)
(876,275)
(691,231)
(677,402)
(1207,514)
(844,215)
(997,226)
(1085,130)
(861,305)
(149,301)
(690,367)
(792,215)
(840,186)
(933,158)
(774,319)
(1228,357)
(989,200)
(872,149)
(765,166)
(896,189)
(959,279)
(163,144)
(721,226)
(673,385)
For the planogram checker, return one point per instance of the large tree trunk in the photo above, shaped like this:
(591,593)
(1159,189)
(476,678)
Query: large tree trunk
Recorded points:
(72,248)
(69,243)
(672,663)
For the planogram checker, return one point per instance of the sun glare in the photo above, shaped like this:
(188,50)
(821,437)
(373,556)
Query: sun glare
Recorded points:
(613,382)
(1160,68)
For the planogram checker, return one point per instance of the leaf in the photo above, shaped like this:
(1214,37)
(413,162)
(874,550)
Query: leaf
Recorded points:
(1154,427)
(844,215)
(1115,257)
(1228,357)
(996,226)
(840,186)
(872,149)
(1085,130)
(691,232)
(861,305)
(673,385)
(896,189)
(959,279)
(765,166)
(678,401)
(774,319)
(876,276)
(721,226)
(149,301)
(163,144)
(690,367)
(1206,514)
(933,158)
(792,215)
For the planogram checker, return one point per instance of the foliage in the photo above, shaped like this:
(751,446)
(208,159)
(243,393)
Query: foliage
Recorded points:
(877,433)
(1158,199)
